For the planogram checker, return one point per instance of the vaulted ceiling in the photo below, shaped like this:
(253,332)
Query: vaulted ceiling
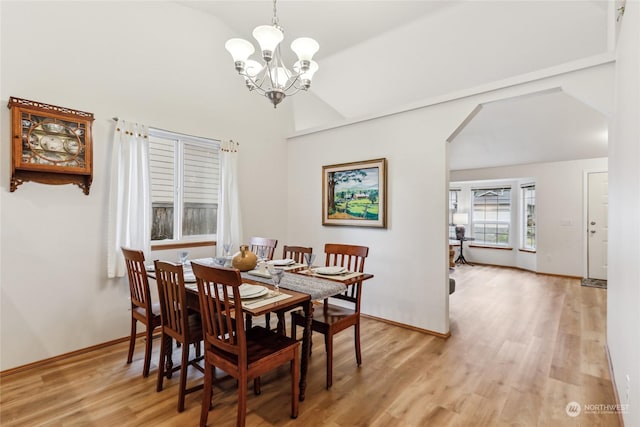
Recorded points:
(377,56)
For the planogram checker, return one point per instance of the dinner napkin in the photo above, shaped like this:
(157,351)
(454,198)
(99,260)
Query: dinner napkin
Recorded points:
(330,270)
(286,261)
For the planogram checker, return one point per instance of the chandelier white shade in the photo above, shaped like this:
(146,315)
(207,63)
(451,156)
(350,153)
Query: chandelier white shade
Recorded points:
(272,78)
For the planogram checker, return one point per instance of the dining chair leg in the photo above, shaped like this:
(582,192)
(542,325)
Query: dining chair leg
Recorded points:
(293,327)
(162,363)
(132,340)
(242,402)
(295,387)
(357,338)
(206,397)
(256,386)
(328,342)
(183,377)
(147,352)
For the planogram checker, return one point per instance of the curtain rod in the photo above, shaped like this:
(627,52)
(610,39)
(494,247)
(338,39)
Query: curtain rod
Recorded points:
(115,119)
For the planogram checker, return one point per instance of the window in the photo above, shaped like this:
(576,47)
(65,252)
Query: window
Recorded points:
(453,208)
(529,217)
(185,174)
(491,216)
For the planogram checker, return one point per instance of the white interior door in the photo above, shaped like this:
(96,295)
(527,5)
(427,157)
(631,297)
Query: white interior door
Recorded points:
(597,209)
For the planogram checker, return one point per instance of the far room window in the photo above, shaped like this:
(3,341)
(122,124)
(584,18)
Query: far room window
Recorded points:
(491,216)
(185,174)
(529,217)
(453,208)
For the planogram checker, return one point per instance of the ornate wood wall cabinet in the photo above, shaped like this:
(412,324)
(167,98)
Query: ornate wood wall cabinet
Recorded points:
(50,144)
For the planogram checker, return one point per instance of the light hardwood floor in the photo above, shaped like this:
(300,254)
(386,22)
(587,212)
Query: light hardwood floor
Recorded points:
(522,347)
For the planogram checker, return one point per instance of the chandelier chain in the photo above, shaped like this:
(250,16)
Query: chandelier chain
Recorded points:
(275,14)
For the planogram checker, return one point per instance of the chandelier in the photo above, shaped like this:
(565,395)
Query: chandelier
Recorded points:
(271,78)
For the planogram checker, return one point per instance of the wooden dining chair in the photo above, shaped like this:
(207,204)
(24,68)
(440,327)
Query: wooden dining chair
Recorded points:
(295,253)
(245,355)
(333,318)
(142,308)
(256,244)
(178,323)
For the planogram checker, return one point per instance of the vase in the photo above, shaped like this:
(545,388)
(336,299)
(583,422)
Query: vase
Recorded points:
(245,260)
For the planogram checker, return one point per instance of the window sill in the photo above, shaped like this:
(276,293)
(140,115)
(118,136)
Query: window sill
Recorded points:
(502,248)
(531,251)
(178,245)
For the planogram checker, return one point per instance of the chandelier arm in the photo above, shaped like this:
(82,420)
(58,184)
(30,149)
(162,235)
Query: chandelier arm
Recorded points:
(293,82)
(256,83)
(297,89)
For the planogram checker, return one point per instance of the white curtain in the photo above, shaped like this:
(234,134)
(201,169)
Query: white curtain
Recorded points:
(129,195)
(229,216)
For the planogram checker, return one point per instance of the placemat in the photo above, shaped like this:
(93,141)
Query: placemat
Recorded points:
(265,300)
(344,276)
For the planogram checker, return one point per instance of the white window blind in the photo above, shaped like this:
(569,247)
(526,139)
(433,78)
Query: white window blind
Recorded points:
(185,176)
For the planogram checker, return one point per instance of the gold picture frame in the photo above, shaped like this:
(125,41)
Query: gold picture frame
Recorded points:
(355,194)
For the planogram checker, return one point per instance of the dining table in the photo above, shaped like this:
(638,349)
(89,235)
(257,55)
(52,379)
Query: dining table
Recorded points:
(300,286)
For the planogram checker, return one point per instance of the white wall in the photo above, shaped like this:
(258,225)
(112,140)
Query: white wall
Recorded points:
(560,218)
(623,293)
(154,62)
(409,258)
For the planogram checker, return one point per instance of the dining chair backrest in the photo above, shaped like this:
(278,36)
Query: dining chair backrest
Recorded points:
(173,298)
(351,257)
(143,310)
(269,246)
(222,324)
(296,253)
(138,281)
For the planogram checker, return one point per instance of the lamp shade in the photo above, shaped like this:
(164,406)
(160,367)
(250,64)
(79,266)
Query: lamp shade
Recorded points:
(268,37)
(240,49)
(307,75)
(252,67)
(305,48)
(460,218)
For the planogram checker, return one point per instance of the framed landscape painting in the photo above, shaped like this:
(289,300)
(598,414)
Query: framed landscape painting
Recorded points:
(355,194)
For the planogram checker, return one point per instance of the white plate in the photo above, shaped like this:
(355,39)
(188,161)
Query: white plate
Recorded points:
(330,270)
(251,291)
(264,291)
(281,262)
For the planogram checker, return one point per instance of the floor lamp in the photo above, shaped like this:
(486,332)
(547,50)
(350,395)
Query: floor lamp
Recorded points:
(460,220)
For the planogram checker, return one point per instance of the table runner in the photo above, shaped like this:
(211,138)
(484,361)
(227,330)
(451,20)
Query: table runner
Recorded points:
(316,287)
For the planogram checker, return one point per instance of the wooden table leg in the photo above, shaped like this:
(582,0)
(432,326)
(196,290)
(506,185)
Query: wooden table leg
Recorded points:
(306,348)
